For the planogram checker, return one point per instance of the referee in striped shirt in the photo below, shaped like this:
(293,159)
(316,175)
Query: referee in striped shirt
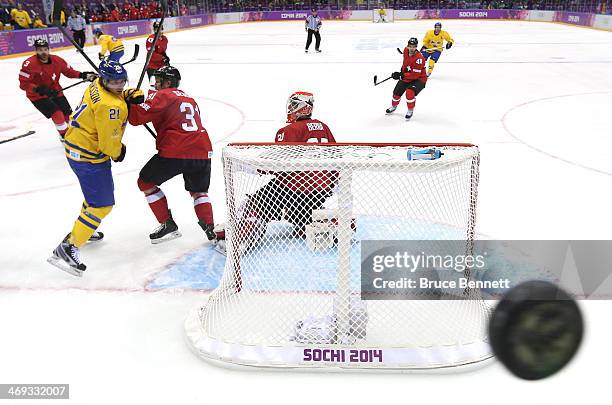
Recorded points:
(77,23)
(313,24)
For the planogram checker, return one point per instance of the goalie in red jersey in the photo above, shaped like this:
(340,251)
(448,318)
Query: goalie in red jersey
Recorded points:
(411,78)
(183,148)
(39,78)
(288,195)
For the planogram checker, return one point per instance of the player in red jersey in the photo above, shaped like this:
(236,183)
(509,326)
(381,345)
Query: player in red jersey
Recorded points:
(412,78)
(39,78)
(294,195)
(183,148)
(158,57)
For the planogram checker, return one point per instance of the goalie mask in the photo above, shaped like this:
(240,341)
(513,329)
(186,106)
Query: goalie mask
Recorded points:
(299,105)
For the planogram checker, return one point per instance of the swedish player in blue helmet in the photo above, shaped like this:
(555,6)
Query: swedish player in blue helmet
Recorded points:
(113,76)
(95,137)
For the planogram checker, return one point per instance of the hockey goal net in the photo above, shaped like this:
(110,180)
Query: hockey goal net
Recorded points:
(296,217)
(383,15)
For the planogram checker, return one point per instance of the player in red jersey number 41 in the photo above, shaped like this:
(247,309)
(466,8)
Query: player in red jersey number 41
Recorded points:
(412,78)
(183,148)
(39,78)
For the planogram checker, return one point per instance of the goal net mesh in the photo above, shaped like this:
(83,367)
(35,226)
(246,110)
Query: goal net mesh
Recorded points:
(296,217)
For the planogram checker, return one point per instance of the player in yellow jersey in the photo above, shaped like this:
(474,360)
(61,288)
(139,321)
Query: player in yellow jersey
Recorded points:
(110,44)
(94,137)
(433,43)
(382,15)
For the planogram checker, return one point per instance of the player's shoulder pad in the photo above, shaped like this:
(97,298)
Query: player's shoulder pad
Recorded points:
(26,63)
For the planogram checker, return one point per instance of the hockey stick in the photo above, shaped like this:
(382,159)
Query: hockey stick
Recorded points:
(136,51)
(164,6)
(427,49)
(132,59)
(18,136)
(57,9)
(377,83)
(74,84)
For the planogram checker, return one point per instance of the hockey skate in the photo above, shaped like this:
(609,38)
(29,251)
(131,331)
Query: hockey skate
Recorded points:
(317,50)
(208,230)
(66,257)
(165,232)
(96,237)
(218,241)
(391,109)
(409,115)
(305,50)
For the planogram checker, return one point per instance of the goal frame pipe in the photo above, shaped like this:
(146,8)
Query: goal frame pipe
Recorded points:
(376,144)
(343,287)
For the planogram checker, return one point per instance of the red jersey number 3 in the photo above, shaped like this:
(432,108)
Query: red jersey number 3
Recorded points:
(190,124)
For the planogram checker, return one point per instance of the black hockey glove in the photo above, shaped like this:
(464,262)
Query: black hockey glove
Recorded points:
(90,76)
(133,96)
(166,60)
(448,45)
(45,91)
(121,155)
(396,75)
(101,56)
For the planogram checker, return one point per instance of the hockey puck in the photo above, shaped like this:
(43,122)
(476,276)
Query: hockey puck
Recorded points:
(535,330)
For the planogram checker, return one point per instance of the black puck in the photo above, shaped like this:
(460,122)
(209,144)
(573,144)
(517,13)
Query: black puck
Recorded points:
(536,329)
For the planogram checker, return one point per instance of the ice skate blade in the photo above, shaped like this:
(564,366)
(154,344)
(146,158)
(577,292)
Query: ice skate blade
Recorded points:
(220,249)
(96,240)
(166,238)
(60,264)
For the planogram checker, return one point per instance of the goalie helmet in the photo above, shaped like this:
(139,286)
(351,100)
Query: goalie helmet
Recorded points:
(299,105)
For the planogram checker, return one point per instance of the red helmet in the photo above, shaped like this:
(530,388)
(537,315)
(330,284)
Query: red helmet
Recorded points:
(299,104)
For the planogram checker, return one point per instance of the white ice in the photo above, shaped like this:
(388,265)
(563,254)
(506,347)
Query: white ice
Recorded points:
(535,97)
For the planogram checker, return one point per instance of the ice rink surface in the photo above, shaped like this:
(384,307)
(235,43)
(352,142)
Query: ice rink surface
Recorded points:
(534,96)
